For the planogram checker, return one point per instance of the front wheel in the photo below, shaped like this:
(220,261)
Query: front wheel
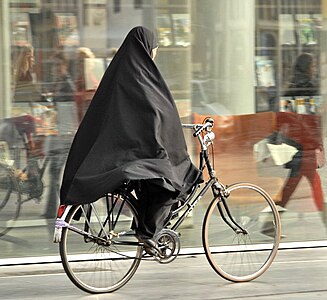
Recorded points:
(242,254)
(10,200)
(99,250)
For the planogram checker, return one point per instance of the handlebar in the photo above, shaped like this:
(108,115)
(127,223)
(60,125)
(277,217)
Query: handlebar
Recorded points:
(208,137)
(198,128)
(207,126)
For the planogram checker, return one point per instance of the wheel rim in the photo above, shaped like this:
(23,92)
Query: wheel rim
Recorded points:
(96,267)
(242,256)
(9,203)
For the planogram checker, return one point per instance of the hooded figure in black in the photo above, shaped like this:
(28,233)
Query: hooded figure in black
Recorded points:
(131,132)
(303,82)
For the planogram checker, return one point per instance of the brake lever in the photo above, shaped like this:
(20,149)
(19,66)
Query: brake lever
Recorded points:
(209,123)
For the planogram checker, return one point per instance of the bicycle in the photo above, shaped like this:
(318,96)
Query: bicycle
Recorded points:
(100,251)
(19,185)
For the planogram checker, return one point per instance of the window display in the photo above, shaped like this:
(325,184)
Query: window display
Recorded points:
(257,67)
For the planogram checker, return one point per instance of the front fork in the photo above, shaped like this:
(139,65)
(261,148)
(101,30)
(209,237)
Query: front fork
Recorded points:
(222,194)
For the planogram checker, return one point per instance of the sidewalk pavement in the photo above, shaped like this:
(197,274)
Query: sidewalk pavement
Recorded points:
(295,274)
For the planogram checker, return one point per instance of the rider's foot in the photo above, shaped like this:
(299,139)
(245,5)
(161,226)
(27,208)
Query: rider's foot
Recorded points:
(150,247)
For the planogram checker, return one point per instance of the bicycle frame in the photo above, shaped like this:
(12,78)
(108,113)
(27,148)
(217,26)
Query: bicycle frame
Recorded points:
(64,210)
(38,165)
(218,189)
(109,245)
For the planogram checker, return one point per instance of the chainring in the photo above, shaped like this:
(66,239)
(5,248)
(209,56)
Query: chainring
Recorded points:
(169,244)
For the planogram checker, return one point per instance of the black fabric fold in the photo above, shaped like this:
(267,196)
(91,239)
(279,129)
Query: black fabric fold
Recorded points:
(131,131)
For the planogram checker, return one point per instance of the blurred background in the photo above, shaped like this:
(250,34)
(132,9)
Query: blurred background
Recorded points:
(258,67)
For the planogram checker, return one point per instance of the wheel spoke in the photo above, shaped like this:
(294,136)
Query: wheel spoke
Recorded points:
(106,264)
(235,255)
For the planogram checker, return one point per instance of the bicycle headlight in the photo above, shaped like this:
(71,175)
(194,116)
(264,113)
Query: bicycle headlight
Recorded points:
(209,137)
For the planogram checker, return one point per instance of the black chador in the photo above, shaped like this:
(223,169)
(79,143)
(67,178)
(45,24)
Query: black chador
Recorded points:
(131,131)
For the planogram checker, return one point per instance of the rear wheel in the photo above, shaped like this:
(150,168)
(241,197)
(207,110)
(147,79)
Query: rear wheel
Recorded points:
(242,255)
(10,200)
(101,253)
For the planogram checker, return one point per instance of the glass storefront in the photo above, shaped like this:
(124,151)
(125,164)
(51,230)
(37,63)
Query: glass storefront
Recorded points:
(258,67)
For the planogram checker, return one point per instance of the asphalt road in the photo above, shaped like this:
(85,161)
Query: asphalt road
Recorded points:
(295,274)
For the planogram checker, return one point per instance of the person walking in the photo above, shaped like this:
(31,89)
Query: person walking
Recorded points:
(305,130)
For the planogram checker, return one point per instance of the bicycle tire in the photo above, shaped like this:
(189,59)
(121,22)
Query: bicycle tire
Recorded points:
(237,256)
(97,268)
(10,201)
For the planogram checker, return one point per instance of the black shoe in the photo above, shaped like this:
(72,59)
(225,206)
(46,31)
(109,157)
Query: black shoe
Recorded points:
(150,247)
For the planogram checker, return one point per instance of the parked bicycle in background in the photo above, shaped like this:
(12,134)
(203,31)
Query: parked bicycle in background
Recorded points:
(22,166)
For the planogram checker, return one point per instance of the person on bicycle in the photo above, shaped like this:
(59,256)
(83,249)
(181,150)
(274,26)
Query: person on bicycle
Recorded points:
(131,132)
